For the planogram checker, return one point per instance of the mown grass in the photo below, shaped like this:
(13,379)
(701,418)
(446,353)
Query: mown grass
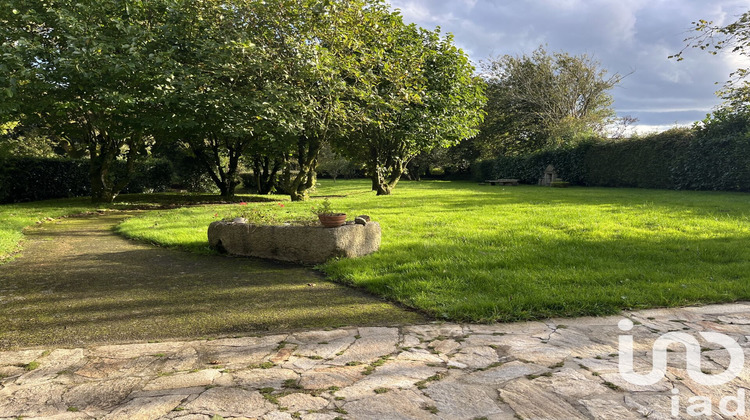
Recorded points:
(465,252)
(14,218)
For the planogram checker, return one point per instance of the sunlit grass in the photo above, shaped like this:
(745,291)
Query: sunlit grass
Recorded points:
(15,217)
(466,252)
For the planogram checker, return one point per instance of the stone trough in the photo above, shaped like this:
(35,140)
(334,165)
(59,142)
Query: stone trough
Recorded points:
(294,243)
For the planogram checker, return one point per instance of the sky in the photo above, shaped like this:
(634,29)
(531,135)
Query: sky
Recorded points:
(629,37)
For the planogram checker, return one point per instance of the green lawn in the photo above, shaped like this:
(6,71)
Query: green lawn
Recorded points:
(15,217)
(465,252)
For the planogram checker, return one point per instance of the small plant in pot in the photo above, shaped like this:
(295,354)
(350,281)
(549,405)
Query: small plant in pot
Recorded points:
(327,216)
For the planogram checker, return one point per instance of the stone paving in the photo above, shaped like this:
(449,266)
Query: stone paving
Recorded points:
(555,369)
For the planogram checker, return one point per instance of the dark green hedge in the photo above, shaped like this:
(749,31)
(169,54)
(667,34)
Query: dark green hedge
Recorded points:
(695,159)
(32,179)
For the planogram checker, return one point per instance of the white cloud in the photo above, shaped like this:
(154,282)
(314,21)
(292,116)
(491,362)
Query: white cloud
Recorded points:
(623,35)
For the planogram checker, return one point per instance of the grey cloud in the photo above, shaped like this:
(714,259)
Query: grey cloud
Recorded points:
(625,36)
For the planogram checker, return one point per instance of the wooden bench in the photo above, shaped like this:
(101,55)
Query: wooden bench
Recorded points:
(502,181)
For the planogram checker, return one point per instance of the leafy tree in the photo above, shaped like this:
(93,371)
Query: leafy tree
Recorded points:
(734,38)
(258,81)
(544,100)
(418,93)
(333,164)
(82,71)
(230,79)
(31,142)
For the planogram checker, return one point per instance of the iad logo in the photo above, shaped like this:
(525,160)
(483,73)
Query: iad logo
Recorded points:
(693,356)
(700,405)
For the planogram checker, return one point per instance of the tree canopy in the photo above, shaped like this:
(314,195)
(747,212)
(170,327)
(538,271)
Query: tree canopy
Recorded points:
(418,93)
(544,100)
(266,82)
(85,72)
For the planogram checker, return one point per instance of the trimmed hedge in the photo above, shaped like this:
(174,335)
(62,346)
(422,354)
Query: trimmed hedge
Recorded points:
(32,179)
(683,159)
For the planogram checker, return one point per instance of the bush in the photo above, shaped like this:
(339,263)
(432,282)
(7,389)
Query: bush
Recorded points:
(712,157)
(151,175)
(33,179)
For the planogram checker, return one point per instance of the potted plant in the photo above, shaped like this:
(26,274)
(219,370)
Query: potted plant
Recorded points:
(326,215)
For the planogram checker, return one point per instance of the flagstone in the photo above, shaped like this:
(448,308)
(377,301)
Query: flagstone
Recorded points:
(183,380)
(393,405)
(146,408)
(298,402)
(231,402)
(555,369)
(609,410)
(262,378)
(454,401)
(373,342)
(530,401)
(325,377)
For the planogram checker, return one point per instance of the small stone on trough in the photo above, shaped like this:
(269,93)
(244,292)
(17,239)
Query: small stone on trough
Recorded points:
(364,216)
(360,221)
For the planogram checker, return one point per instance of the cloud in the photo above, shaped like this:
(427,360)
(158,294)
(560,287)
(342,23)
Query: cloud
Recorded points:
(634,36)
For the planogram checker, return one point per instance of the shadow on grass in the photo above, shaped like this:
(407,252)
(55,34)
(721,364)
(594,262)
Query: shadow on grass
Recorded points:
(86,285)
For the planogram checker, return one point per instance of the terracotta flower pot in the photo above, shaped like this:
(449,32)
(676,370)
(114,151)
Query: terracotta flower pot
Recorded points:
(332,220)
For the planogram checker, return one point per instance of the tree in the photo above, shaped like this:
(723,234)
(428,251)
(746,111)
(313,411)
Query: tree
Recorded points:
(26,141)
(735,38)
(83,72)
(259,81)
(333,164)
(544,100)
(230,80)
(418,93)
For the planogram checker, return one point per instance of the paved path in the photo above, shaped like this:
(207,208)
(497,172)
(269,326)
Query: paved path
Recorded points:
(557,369)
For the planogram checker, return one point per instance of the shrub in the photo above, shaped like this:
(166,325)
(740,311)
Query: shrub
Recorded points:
(33,179)
(248,181)
(711,157)
(151,175)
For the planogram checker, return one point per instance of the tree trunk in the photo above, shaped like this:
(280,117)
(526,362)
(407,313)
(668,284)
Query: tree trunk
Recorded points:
(378,183)
(265,173)
(103,154)
(396,173)
(307,158)
(210,151)
(100,191)
(383,189)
